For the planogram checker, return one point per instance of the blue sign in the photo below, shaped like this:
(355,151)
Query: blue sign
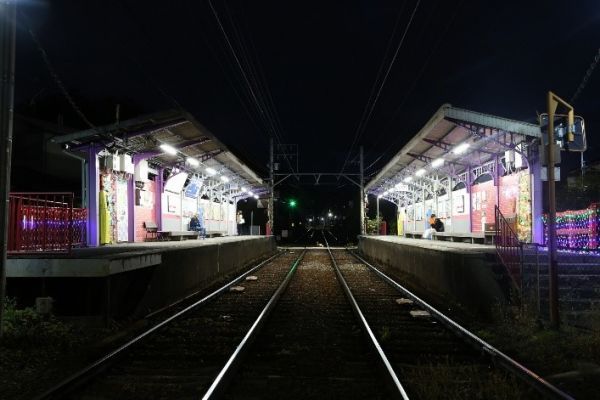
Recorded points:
(192,190)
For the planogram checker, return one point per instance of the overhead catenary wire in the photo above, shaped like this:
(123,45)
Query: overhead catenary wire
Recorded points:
(256,77)
(247,78)
(378,76)
(255,94)
(370,106)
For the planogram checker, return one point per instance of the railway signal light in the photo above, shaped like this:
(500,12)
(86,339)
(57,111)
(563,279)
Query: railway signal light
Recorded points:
(292,203)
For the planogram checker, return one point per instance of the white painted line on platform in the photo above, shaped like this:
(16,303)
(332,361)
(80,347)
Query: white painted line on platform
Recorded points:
(77,268)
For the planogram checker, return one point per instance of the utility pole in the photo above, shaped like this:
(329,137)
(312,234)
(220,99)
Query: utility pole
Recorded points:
(553,102)
(8,19)
(271,216)
(362,193)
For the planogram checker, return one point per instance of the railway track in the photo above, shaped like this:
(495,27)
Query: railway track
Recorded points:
(314,324)
(312,346)
(180,356)
(434,356)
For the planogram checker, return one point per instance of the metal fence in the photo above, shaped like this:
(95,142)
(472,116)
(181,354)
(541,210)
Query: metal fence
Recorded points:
(45,222)
(509,248)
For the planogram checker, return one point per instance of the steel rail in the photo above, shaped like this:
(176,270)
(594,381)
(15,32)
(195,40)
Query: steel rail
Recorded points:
(81,377)
(227,372)
(373,340)
(530,377)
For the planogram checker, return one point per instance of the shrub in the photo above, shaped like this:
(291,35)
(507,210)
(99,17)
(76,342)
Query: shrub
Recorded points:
(27,327)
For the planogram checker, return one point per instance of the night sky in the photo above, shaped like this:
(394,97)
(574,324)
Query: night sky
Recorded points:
(311,64)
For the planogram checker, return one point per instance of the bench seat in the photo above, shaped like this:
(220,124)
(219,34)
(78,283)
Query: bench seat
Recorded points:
(177,235)
(474,237)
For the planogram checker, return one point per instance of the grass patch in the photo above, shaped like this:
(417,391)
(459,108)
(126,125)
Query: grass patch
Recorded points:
(447,380)
(25,327)
(548,352)
(33,350)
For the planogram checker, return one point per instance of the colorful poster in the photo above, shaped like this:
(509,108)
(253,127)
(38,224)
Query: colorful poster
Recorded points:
(190,207)
(173,204)
(400,223)
(122,211)
(109,186)
(524,207)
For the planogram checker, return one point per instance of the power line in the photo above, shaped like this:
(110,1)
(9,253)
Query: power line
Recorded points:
(586,77)
(415,81)
(371,107)
(54,74)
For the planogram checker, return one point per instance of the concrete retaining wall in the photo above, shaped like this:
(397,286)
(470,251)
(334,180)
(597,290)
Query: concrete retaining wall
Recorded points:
(91,286)
(184,271)
(453,272)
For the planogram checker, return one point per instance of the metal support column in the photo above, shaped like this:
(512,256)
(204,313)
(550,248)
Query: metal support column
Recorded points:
(414,210)
(158,190)
(131,209)
(553,102)
(425,221)
(497,180)
(451,198)
(93,191)
(7,91)
(469,183)
(435,197)
(271,210)
(537,200)
(362,193)
(552,262)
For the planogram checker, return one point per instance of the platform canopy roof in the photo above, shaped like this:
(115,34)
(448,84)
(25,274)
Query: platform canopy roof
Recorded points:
(453,141)
(142,137)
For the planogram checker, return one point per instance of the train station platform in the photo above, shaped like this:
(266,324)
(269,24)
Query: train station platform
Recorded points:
(463,274)
(130,279)
(107,260)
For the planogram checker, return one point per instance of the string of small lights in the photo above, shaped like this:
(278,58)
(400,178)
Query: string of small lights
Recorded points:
(576,229)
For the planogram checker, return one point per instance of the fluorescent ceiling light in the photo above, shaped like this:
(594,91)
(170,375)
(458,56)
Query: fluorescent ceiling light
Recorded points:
(250,193)
(438,162)
(244,190)
(224,178)
(210,171)
(461,148)
(192,161)
(407,179)
(168,149)
(421,172)
(256,196)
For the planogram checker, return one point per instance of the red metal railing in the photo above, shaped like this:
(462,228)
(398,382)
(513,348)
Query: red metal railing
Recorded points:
(45,222)
(509,248)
